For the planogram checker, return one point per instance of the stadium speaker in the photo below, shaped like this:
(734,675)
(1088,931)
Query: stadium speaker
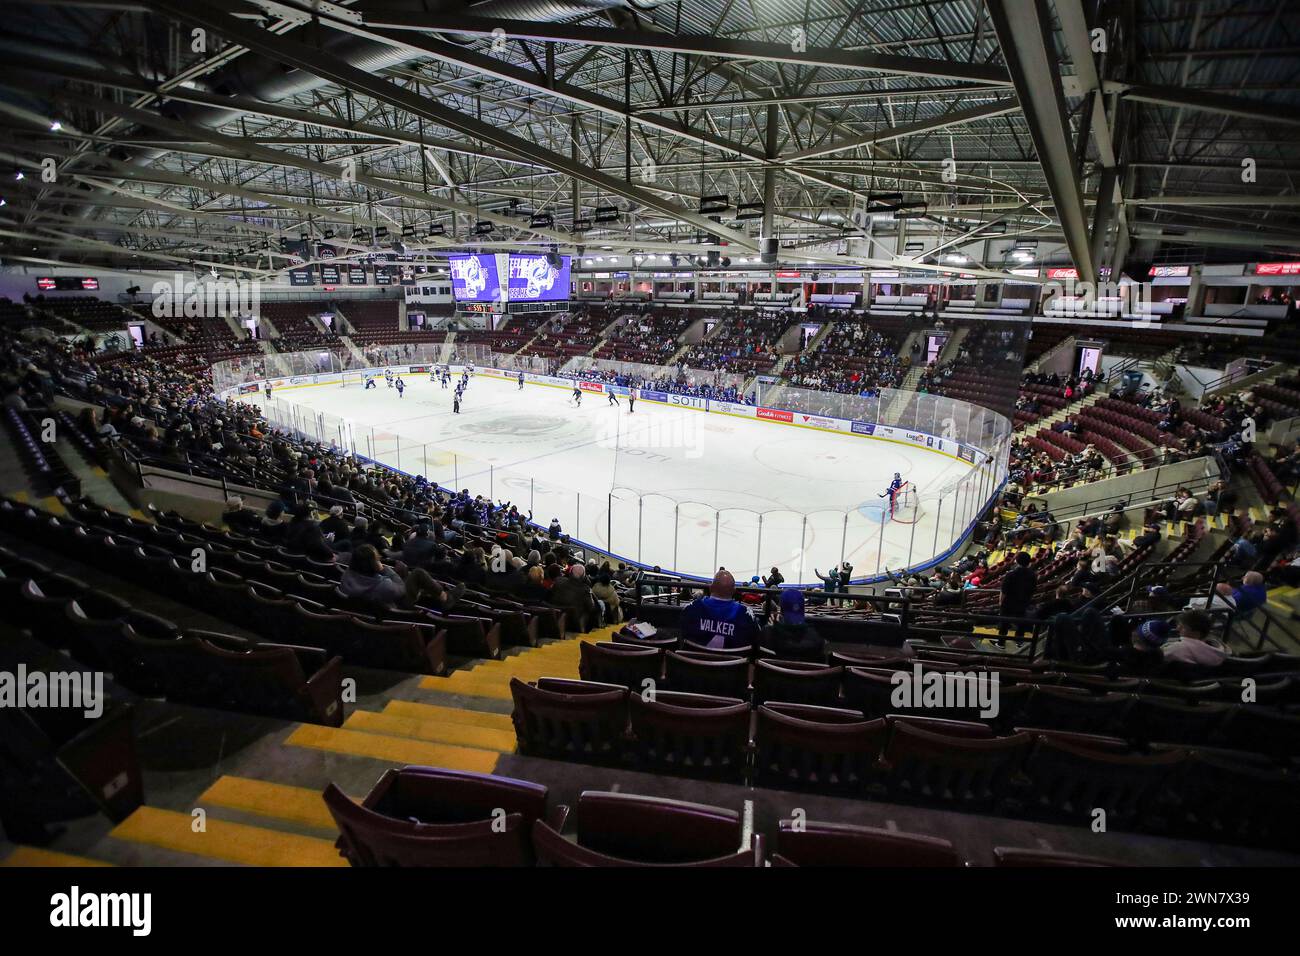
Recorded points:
(553,260)
(133,290)
(767,250)
(713,258)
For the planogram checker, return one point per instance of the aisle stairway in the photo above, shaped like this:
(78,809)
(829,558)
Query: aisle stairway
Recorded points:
(459,722)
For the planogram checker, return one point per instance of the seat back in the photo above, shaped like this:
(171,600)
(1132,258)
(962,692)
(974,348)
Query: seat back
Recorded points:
(788,681)
(368,838)
(1070,782)
(588,726)
(961,771)
(690,734)
(620,664)
(811,843)
(696,673)
(820,748)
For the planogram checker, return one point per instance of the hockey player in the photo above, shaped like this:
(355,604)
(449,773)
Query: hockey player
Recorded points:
(613,399)
(401,386)
(388,377)
(371,382)
(576,397)
(521,381)
(892,490)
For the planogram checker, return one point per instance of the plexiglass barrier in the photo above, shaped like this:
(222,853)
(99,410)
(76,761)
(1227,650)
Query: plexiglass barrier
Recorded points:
(690,536)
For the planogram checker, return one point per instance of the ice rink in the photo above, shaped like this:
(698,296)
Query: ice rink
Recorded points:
(680,488)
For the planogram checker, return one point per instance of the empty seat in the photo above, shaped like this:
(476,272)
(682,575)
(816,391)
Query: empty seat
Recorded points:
(1014,856)
(1222,797)
(810,843)
(820,748)
(1262,729)
(619,829)
(1074,709)
(621,664)
(1069,782)
(697,673)
(1171,721)
(796,682)
(427,816)
(570,720)
(690,734)
(966,772)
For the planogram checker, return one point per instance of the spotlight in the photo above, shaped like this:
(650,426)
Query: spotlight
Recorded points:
(19,175)
(55,126)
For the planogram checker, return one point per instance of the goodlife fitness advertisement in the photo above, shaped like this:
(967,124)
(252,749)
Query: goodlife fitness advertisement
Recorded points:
(533,279)
(474,278)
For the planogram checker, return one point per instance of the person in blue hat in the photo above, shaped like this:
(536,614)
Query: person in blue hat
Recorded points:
(1142,655)
(790,635)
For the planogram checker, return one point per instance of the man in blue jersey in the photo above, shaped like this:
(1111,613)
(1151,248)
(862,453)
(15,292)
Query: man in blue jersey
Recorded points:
(719,621)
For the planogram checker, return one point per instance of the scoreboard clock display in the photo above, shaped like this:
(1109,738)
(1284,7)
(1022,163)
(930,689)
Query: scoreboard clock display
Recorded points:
(67,284)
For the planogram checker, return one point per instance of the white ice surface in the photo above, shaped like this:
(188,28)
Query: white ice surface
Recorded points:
(666,485)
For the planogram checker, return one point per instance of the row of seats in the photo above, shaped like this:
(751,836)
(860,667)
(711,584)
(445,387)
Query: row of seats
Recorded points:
(430,817)
(153,657)
(1030,773)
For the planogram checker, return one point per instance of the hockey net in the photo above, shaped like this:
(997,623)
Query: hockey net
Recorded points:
(905,505)
(352,378)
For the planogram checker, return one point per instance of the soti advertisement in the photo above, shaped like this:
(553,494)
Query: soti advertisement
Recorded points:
(688,401)
(537,279)
(474,278)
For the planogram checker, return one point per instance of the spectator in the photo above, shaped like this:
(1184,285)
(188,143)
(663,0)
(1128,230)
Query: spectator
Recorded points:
(572,592)
(368,580)
(1242,599)
(1194,645)
(1017,592)
(718,620)
(605,592)
(791,636)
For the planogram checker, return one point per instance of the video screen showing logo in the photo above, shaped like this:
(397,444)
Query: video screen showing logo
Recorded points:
(534,279)
(474,278)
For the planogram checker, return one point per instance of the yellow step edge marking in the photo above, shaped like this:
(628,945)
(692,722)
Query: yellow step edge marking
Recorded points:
(35,856)
(398,750)
(222,840)
(436,732)
(499,689)
(276,800)
(54,506)
(451,715)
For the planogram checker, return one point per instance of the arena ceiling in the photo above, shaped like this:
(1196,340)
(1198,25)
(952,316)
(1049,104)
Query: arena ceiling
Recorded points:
(200,133)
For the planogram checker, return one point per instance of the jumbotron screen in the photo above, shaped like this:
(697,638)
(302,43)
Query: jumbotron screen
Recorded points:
(474,278)
(533,279)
